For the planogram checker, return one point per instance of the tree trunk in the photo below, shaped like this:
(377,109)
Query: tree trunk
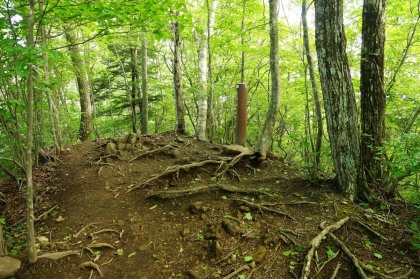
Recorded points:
(134,87)
(339,99)
(318,112)
(85,127)
(179,99)
(30,218)
(266,135)
(54,115)
(210,27)
(372,90)
(144,99)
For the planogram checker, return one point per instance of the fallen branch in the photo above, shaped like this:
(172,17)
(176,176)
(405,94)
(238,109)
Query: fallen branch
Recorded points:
(349,254)
(92,265)
(175,169)
(261,208)
(233,274)
(169,194)
(337,268)
(58,255)
(315,242)
(166,147)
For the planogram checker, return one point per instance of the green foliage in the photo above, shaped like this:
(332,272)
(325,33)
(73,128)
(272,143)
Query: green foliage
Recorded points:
(415,226)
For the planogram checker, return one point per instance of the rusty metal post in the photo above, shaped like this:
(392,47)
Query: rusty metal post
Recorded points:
(241,113)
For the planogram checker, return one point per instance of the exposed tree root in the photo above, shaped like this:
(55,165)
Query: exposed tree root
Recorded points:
(84,228)
(348,253)
(262,208)
(325,263)
(239,270)
(170,194)
(289,203)
(337,268)
(234,160)
(150,152)
(58,255)
(92,265)
(100,245)
(176,169)
(369,228)
(315,242)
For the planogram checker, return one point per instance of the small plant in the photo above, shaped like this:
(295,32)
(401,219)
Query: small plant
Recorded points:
(248,216)
(248,259)
(415,242)
(330,253)
(368,243)
(120,252)
(377,255)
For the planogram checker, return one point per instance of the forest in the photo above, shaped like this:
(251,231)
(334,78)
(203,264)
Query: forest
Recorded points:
(332,90)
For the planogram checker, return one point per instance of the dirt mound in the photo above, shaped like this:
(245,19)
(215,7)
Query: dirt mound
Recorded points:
(169,206)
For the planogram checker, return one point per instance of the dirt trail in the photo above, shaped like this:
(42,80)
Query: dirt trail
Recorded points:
(205,235)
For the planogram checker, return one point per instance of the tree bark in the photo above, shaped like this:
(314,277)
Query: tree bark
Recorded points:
(134,87)
(339,99)
(30,218)
(266,135)
(144,99)
(180,126)
(373,98)
(317,102)
(85,127)
(210,26)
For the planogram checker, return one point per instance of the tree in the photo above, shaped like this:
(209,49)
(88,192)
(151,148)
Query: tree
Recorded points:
(144,99)
(30,218)
(372,90)
(318,145)
(177,72)
(83,87)
(265,138)
(339,97)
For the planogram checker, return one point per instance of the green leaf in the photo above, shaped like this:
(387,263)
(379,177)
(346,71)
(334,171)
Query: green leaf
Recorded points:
(368,243)
(248,259)
(377,255)
(248,216)
(119,252)
(287,253)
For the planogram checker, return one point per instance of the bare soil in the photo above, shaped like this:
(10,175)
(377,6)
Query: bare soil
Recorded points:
(160,216)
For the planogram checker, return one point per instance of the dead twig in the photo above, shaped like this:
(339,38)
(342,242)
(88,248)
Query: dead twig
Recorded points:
(45,213)
(239,270)
(337,268)
(315,242)
(261,208)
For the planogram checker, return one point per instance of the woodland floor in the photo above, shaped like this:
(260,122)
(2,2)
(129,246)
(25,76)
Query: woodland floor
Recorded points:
(213,234)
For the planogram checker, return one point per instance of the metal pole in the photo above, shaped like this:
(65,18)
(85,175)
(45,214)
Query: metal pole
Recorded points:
(241,113)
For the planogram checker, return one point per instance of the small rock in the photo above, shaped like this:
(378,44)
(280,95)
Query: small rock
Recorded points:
(232,228)
(196,207)
(193,274)
(259,254)
(60,219)
(8,266)
(144,247)
(180,140)
(121,146)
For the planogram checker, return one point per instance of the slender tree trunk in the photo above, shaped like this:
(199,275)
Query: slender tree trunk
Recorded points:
(372,90)
(339,98)
(210,25)
(134,87)
(30,218)
(3,246)
(243,42)
(317,102)
(85,128)
(179,99)
(266,135)
(54,115)
(144,99)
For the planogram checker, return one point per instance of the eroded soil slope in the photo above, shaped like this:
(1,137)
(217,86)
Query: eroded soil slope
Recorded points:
(168,206)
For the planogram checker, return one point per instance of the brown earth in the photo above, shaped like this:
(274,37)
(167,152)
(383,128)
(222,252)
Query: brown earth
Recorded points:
(211,234)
